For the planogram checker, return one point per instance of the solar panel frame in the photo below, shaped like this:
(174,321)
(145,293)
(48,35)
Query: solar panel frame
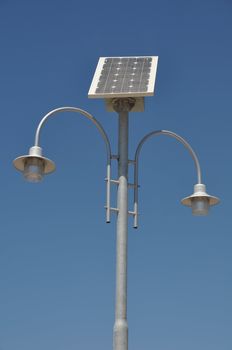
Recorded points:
(100,72)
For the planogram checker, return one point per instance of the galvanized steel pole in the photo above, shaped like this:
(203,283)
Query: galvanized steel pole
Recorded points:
(120,337)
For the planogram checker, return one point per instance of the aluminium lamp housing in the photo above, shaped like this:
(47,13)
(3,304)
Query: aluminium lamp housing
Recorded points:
(34,165)
(200,200)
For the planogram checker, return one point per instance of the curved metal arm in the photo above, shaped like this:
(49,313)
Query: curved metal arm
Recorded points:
(103,134)
(156,133)
(85,114)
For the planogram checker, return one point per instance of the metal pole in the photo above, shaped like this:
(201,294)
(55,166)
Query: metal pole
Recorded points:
(120,326)
(120,336)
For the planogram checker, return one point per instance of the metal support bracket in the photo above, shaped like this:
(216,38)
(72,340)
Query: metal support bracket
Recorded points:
(115,210)
(110,181)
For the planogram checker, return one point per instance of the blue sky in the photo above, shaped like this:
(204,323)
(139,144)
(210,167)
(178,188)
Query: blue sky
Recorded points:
(57,255)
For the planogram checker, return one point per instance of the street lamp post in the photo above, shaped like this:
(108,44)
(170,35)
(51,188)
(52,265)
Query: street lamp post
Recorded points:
(35,165)
(120,335)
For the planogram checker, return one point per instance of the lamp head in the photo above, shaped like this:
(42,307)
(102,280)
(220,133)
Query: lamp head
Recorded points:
(200,201)
(34,165)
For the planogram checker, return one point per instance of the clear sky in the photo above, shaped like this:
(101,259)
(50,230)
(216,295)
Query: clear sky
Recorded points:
(57,255)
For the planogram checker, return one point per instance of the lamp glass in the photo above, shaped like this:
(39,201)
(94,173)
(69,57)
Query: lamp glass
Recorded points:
(200,206)
(33,169)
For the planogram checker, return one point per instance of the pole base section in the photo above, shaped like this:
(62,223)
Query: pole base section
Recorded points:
(120,335)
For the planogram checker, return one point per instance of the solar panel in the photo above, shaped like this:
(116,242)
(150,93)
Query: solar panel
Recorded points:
(124,77)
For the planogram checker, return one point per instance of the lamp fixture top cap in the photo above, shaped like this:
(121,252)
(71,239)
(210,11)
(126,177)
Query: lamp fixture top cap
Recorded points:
(34,152)
(200,192)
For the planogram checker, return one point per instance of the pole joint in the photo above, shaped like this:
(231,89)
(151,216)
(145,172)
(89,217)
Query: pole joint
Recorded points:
(123,104)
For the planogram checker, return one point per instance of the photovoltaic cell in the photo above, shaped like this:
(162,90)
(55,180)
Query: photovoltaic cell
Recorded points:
(119,76)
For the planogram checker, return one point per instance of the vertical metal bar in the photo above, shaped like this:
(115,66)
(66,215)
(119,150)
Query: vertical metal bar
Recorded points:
(108,176)
(120,327)
(136,190)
